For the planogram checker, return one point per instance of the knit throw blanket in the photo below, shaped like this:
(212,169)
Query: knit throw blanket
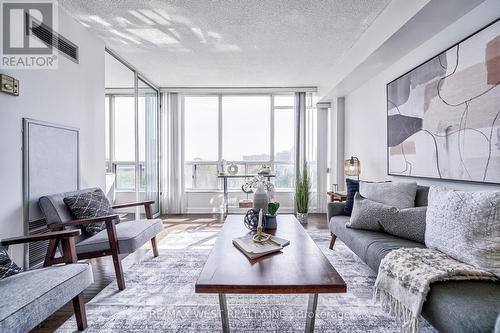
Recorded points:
(404,279)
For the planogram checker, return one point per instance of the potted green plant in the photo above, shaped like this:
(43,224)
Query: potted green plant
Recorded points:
(272,211)
(302,194)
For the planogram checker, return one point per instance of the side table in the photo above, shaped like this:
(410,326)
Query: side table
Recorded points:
(335,196)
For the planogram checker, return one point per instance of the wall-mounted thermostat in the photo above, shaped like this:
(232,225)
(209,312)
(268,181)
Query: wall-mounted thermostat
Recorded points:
(9,85)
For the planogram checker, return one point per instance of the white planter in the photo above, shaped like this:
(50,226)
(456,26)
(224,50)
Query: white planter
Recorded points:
(302,217)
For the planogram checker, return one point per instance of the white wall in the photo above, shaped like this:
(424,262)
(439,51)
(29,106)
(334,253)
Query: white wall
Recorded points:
(365,109)
(72,95)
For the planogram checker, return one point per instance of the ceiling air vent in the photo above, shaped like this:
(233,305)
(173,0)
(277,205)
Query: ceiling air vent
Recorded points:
(52,38)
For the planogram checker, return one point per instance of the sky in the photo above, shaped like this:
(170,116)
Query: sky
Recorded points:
(246,122)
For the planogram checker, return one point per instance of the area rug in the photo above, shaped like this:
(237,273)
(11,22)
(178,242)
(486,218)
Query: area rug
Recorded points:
(160,296)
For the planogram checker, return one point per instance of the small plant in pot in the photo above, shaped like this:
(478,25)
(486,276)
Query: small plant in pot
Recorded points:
(272,211)
(302,193)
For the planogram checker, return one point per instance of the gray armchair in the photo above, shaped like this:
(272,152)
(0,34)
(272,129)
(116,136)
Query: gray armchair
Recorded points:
(30,297)
(124,237)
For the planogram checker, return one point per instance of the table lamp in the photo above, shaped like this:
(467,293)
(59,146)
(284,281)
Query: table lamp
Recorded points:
(352,167)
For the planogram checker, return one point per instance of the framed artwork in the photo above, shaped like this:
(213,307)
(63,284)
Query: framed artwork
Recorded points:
(443,117)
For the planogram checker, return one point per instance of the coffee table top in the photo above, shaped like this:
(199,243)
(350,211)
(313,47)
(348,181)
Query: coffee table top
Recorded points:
(300,268)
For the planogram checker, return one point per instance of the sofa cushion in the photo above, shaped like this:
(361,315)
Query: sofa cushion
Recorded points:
(463,306)
(408,223)
(396,194)
(382,244)
(370,246)
(34,295)
(367,214)
(466,226)
(88,205)
(131,236)
(7,266)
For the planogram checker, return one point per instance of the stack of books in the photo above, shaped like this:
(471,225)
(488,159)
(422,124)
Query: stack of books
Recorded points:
(255,250)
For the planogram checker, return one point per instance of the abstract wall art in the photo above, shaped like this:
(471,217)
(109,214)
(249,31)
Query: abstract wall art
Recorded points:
(443,117)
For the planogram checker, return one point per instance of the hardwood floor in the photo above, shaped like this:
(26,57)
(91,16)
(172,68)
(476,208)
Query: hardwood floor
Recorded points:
(104,273)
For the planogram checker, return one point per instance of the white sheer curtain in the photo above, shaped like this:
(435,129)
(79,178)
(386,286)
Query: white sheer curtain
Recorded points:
(173,180)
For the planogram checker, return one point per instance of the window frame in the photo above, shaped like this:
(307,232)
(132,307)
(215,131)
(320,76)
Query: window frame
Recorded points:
(271,161)
(112,164)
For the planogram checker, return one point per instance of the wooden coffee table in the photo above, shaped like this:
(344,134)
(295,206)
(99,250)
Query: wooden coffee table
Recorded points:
(301,268)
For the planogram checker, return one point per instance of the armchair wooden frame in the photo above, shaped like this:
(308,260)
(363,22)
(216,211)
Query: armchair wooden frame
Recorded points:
(114,248)
(67,239)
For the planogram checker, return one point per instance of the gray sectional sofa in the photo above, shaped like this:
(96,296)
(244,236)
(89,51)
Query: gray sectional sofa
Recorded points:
(452,306)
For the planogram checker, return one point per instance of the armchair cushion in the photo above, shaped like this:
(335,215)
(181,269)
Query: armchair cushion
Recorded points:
(30,297)
(87,205)
(131,236)
(7,266)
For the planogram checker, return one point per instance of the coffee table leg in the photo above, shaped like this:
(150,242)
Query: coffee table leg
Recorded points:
(223,313)
(311,312)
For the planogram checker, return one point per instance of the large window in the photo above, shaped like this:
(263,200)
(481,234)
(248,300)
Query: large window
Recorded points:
(246,133)
(284,139)
(132,136)
(247,130)
(201,142)
(120,140)
(124,129)
(201,128)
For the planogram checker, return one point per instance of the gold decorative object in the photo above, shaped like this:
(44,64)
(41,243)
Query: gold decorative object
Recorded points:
(260,237)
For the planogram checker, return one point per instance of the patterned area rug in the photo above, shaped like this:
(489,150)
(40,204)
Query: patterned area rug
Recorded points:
(160,296)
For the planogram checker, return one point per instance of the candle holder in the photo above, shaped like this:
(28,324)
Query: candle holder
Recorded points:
(260,237)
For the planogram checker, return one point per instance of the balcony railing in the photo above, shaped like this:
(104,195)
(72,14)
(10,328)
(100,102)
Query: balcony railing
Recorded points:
(125,176)
(202,175)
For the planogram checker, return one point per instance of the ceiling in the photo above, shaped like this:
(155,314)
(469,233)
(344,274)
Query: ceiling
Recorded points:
(229,43)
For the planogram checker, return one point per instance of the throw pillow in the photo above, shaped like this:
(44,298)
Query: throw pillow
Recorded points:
(366,214)
(466,226)
(396,194)
(7,266)
(352,188)
(87,205)
(408,223)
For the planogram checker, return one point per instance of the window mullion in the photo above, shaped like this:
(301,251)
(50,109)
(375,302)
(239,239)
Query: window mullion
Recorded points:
(219,152)
(272,132)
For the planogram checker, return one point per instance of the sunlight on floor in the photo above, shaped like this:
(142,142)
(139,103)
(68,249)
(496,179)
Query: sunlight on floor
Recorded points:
(194,240)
